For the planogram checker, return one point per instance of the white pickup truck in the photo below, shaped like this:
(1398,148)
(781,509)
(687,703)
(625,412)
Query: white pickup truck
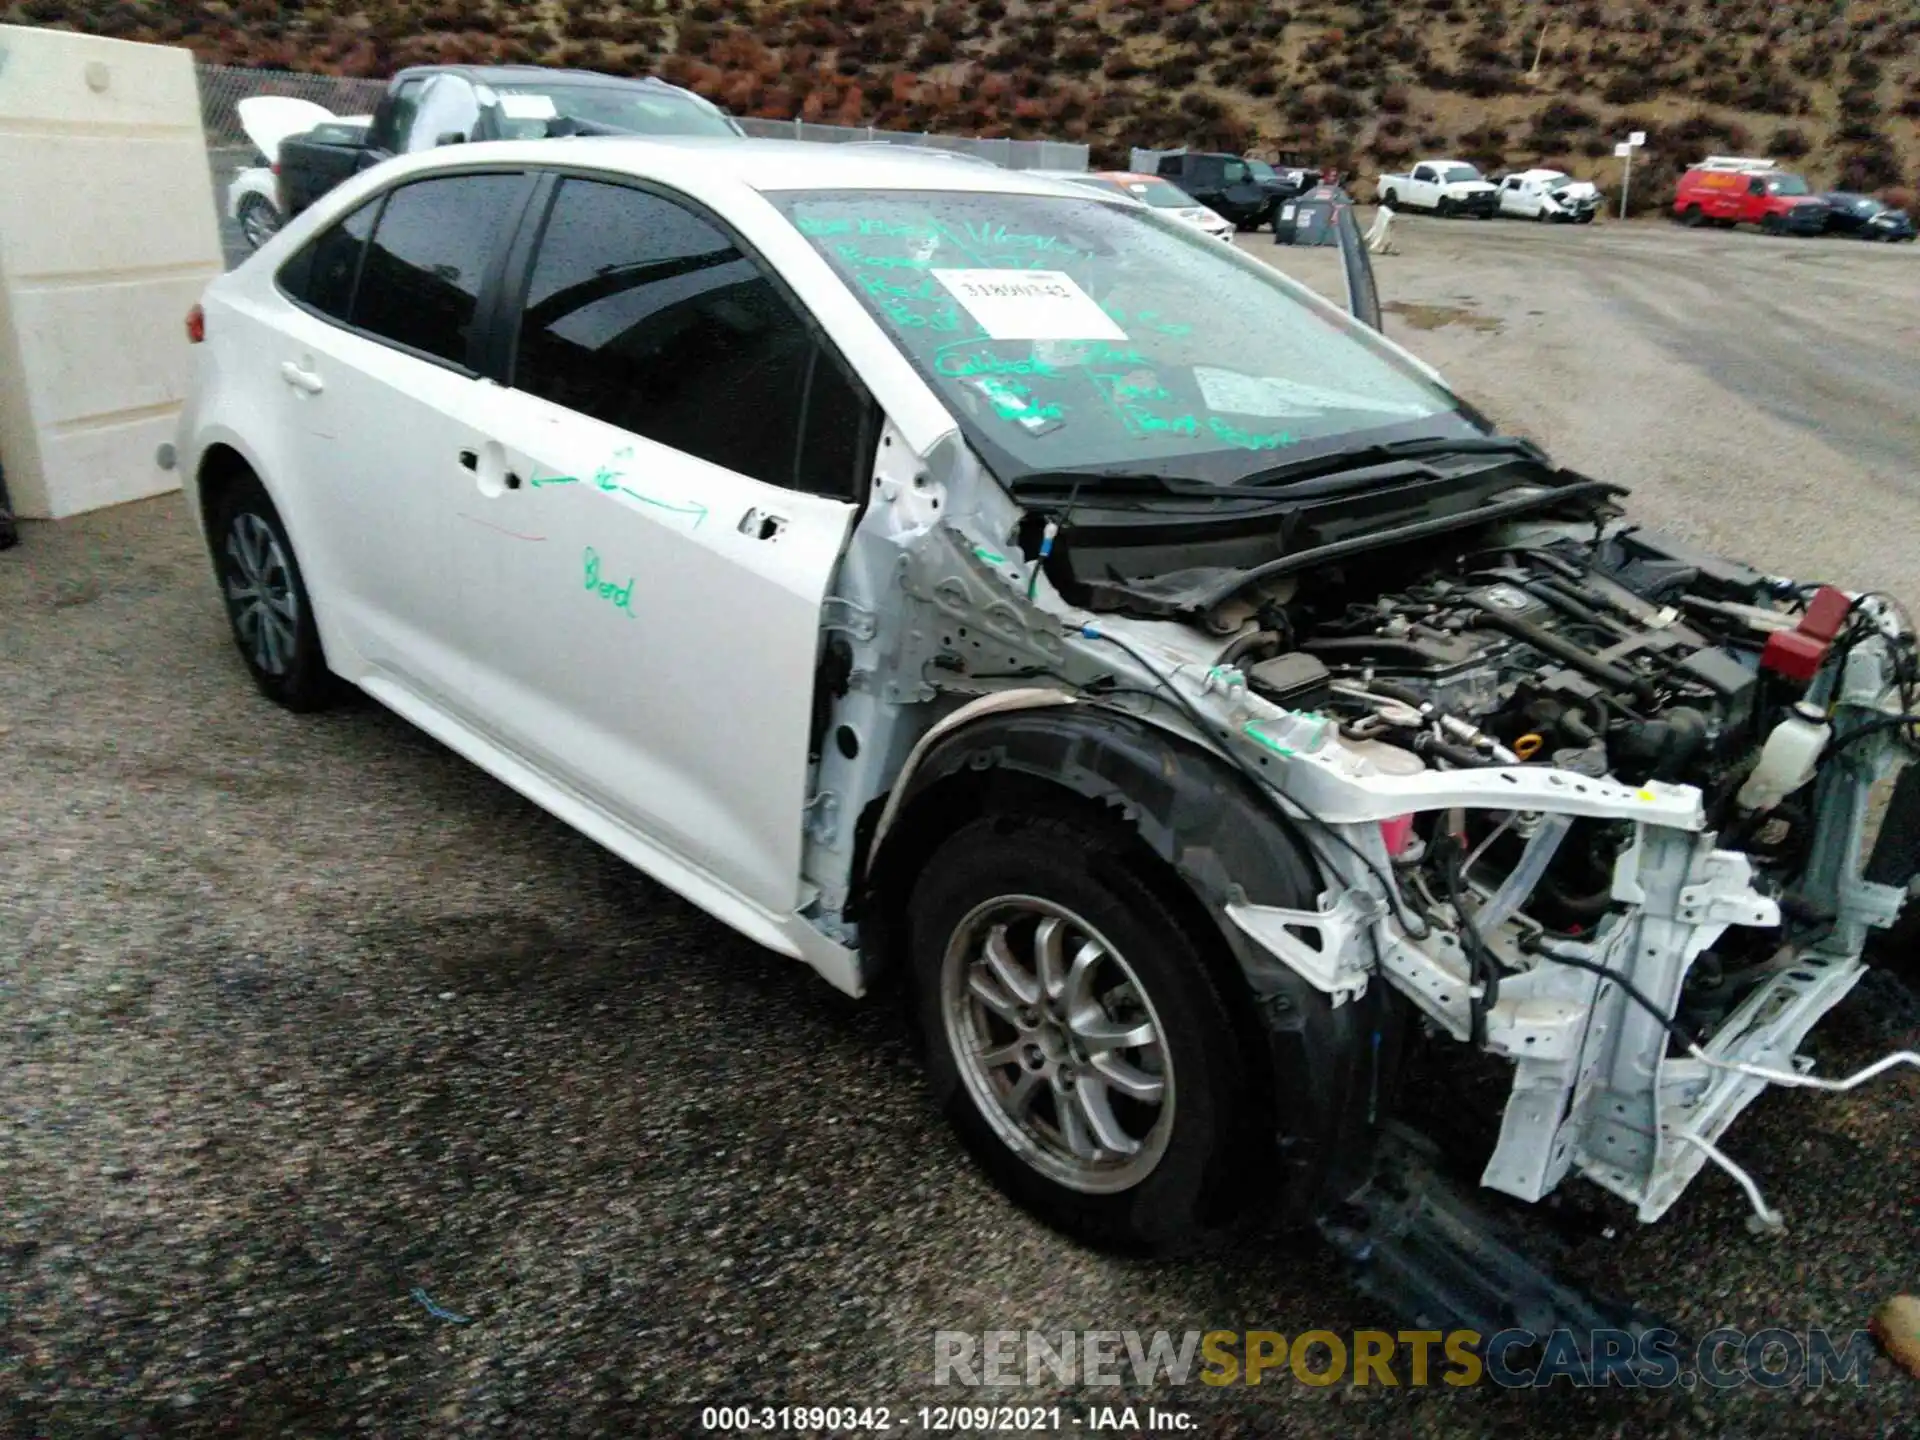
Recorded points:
(1446,187)
(1549,195)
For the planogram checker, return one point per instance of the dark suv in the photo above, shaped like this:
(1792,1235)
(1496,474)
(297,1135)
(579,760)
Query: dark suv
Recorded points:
(1225,184)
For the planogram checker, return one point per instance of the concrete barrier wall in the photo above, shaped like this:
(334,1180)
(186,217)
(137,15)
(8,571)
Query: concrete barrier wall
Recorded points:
(107,237)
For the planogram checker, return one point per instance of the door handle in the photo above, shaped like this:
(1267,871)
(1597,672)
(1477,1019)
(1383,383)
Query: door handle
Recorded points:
(760,525)
(301,379)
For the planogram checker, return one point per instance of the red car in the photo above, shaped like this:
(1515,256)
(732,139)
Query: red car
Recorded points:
(1726,190)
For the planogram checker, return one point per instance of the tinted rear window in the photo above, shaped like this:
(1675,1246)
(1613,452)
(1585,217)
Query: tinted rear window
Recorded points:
(421,281)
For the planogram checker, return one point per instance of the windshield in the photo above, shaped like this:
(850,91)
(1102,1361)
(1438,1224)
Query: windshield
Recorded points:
(1065,333)
(1788,185)
(1553,180)
(1261,170)
(525,110)
(1454,174)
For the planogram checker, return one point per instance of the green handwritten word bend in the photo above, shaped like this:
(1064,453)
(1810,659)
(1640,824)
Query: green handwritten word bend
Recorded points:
(617,595)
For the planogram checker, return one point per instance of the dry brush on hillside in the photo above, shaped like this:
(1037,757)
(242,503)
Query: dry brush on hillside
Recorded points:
(1832,85)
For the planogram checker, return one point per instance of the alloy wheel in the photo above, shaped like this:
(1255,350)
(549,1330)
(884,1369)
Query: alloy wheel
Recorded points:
(1058,1043)
(260,594)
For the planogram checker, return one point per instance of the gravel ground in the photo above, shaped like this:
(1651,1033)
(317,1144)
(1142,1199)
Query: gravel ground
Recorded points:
(343,1091)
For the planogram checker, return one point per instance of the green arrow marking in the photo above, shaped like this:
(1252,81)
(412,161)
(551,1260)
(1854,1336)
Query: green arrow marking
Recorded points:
(692,507)
(536,482)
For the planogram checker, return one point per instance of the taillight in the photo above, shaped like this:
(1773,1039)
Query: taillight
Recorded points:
(196,325)
(275,167)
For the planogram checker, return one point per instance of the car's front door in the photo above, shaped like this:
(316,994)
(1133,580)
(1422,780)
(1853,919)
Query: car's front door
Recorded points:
(374,364)
(662,509)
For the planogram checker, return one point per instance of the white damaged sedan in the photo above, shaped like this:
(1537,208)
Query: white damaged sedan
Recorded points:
(947,570)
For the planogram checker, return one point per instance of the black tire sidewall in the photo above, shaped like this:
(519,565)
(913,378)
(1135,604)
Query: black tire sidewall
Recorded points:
(307,683)
(1197,1189)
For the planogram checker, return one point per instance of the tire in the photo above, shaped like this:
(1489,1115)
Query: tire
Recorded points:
(1586,218)
(1392,197)
(1444,207)
(1199,1120)
(268,609)
(1691,216)
(259,220)
(1771,224)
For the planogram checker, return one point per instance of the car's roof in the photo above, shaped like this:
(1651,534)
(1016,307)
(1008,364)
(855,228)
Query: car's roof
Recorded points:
(758,164)
(537,75)
(1539,170)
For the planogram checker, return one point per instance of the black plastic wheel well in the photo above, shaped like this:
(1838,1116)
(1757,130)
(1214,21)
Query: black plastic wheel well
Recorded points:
(221,468)
(941,809)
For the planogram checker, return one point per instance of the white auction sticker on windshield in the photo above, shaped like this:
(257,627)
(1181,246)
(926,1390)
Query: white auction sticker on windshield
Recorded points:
(1029,305)
(528,107)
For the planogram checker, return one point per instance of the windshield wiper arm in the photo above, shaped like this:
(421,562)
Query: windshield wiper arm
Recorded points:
(1064,483)
(1282,475)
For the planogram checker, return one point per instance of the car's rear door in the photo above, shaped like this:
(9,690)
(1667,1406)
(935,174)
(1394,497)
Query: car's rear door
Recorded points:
(375,362)
(681,450)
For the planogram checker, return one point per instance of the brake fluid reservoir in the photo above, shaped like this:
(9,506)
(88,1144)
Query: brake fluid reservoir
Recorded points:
(1788,758)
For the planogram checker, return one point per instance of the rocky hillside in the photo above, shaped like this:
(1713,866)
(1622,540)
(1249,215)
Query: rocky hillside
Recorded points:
(1831,85)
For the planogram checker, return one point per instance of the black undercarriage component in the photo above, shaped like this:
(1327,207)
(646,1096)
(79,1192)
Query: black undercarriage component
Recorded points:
(1414,1240)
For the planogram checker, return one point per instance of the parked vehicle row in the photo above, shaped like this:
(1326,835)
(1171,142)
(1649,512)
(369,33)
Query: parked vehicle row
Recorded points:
(1730,190)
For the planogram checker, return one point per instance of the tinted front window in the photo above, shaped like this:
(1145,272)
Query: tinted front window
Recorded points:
(323,273)
(421,281)
(647,317)
(1788,185)
(1065,332)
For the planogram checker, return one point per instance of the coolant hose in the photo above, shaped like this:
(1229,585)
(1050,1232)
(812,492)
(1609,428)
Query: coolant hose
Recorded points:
(1518,885)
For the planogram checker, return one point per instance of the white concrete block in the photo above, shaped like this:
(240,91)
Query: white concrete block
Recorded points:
(108,232)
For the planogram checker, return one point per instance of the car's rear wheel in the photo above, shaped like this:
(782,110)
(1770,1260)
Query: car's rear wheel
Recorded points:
(1392,197)
(259,220)
(268,608)
(1691,216)
(1078,1038)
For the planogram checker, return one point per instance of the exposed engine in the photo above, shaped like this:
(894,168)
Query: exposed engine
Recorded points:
(1629,658)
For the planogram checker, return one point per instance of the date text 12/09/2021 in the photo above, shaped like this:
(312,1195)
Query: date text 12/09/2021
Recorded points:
(946,1419)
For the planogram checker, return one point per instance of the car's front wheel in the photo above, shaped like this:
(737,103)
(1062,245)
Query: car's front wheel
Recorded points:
(1078,1037)
(259,220)
(266,597)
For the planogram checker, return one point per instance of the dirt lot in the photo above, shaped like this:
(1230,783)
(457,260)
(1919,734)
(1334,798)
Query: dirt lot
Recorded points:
(341,1090)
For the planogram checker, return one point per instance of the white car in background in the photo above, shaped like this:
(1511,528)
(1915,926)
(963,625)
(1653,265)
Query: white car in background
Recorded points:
(1154,192)
(1549,195)
(945,569)
(253,195)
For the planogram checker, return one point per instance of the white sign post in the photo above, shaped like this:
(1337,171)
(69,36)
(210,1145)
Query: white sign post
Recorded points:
(1625,152)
